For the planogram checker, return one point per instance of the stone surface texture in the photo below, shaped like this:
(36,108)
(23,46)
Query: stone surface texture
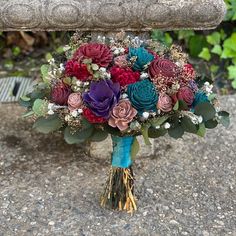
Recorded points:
(110,15)
(47,188)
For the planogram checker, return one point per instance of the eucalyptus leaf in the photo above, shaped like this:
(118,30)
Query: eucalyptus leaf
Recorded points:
(206,110)
(201,130)
(27,114)
(79,136)
(159,120)
(176,106)
(144,131)
(40,107)
(135,148)
(188,125)
(211,124)
(49,124)
(156,133)
(176,132)
(25,98)
(98,135)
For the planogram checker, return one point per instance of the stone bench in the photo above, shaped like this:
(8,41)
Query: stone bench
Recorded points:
(110,15)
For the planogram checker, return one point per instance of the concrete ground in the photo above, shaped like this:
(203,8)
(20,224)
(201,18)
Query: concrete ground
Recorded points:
(50,188)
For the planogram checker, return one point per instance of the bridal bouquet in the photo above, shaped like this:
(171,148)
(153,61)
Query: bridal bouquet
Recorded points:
(124,87)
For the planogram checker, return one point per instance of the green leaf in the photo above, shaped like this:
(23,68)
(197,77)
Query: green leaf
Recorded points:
(176,106)
(49,124)
(205,54)
(25,98)
(48,56)
(214,68)
(234,84)
(206,110)
(232,72)
(224,118)
(95,67)
(156,133)
(214,38)
(183,105)
(159,120)
(40,107)
(144,131)
(79,136)
(217,50)
(44,72)
(196,44)
(98,135)
(211,124)
(201,130)
(176,132)
(212,96)
(27,114)
(188,125)
(135,148)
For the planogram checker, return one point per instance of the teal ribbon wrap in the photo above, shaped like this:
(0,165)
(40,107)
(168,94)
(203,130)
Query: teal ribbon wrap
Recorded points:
(121,155)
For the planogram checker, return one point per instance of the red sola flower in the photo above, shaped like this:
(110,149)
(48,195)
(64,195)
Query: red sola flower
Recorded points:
(91,117)
(124,76)
(80,71)
(99,53)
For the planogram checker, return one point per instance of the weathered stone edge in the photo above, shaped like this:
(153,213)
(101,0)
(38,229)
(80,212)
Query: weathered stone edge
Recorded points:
(112,15)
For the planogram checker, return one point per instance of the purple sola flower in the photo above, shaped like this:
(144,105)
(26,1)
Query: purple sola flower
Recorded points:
(102,97)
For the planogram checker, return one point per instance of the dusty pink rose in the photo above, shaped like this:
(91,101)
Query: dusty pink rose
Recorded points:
(75,101)
(164,103)
(121,61)
(121,115)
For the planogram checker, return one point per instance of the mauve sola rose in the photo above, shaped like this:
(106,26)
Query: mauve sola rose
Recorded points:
(163,68)
(121,115)
(121,61)
(185,94)
(60,93)
(75,101)
(164,103)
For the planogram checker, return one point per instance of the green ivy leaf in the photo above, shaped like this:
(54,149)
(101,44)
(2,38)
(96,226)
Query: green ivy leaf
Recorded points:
(205,54)
(49,124)
(214,38)
(206,110)
(40,107)
(135,148)
(232,72)
(217,50)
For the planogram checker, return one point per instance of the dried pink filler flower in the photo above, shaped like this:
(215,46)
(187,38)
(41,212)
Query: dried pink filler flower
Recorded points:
(121,115)
(121,61)
(164,103)
(75,101)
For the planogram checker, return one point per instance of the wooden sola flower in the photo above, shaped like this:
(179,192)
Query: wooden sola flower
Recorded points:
(124,89)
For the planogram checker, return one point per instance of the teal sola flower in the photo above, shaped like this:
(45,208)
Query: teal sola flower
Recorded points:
(143,96)
(143,57)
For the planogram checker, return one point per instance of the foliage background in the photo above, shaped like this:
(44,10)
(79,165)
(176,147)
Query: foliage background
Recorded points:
(213,52)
